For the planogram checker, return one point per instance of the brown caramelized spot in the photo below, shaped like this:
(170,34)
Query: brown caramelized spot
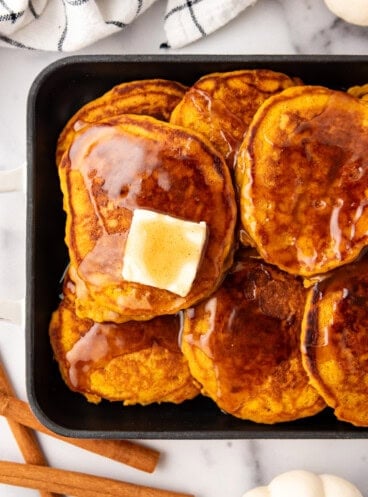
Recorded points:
(351,313)
(102,342)
(312,338)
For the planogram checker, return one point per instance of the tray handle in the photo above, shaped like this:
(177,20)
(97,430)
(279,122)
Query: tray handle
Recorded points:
(13,311)
(13,180)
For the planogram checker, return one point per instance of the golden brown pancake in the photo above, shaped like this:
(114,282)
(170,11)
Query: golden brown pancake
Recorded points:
(359,92)
(113,168)
(221,105)
(152,97)
(335,341)
(243,344)
(135,362)
(304,170)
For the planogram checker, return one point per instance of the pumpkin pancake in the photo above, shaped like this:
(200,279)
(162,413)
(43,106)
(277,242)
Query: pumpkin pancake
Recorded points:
(135,362)
(243,344)
(221,106)
(116,167)
(304,170)
(359,92)
(335,341)
(153,97)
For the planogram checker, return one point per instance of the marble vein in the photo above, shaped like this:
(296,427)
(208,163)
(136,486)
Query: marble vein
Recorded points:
(313,29)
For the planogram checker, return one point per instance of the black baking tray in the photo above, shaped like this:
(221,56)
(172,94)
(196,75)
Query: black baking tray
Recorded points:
(55,95)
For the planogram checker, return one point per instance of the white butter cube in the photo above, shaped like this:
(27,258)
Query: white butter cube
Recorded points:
(163,251)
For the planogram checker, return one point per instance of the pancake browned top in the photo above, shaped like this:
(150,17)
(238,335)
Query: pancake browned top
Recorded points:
(135,362)
(152,97)
(113,168)
(304,188)
(243,344)
(335,341)
(221,105)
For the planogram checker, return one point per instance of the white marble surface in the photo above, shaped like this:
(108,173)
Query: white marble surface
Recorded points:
(205,468)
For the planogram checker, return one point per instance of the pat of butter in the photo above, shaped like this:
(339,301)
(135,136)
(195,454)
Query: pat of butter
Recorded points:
(163,251)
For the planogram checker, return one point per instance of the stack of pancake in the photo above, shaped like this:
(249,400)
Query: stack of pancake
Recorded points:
(272,327)
(115,338)
(302,172)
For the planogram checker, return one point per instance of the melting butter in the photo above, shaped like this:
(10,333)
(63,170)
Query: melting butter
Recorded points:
(163,251)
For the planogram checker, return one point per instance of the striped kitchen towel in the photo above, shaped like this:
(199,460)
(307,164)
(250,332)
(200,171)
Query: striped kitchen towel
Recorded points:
(68,25)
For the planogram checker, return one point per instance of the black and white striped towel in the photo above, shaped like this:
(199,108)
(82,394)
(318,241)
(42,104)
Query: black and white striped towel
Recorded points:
(67,25)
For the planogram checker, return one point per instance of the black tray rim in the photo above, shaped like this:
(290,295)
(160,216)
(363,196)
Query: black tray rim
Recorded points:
(259,431)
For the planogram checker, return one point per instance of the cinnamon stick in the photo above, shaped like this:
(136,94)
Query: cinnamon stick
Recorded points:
(130,453)
(73,483)
(25,438)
